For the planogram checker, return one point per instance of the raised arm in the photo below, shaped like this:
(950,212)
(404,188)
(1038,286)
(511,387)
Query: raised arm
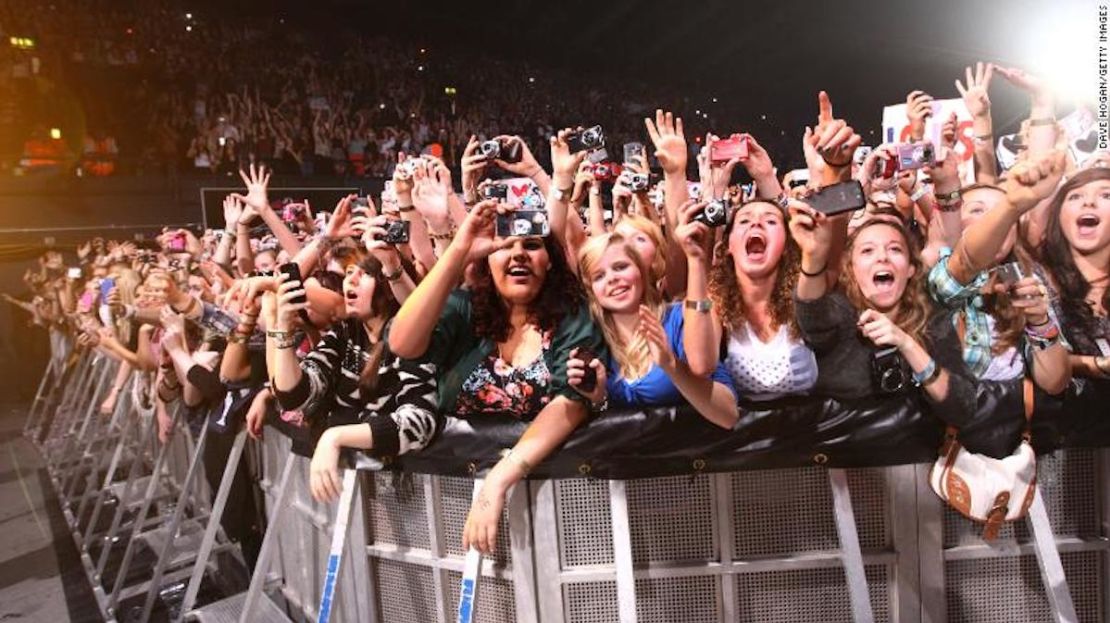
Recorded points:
(978,103)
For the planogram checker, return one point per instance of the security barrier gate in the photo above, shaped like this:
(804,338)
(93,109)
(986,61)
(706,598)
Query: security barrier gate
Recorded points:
(773,545)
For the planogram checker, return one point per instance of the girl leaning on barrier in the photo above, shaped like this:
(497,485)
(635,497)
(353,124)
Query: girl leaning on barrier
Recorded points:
(501,346)
(647,363)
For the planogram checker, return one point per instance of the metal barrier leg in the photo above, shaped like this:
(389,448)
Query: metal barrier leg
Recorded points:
(109,477)
(35,413)
(472,573)
(338,543)
(213,526)
(269,544)
(849,547)
(622,551)
(178,514)
(124,501)
(1048,560)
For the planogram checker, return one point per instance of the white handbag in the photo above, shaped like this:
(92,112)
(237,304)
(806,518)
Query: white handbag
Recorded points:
(983,489)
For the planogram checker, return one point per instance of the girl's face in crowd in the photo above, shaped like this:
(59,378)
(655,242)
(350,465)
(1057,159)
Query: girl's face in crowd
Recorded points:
(1085,217)
(264,261)
(519,270)
(198,287)
(358,292)
(640,241)
(976,203)
(758,239)
(616,281)
(881,266)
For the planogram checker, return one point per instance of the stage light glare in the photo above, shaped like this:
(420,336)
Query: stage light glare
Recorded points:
(55,133)
(1061,53)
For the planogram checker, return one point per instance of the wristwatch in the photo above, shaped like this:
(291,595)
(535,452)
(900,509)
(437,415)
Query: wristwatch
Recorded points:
(701,306)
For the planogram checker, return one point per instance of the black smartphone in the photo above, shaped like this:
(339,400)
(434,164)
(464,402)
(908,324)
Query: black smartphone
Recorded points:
(292,272)
(589,379)
(838,198)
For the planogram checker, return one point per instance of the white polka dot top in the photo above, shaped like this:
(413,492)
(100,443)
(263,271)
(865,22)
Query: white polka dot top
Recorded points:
(769,370)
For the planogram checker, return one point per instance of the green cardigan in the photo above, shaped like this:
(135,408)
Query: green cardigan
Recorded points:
(457,351)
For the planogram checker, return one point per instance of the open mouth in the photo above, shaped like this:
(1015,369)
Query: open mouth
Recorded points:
(519,271)
(351,295)
(883,280)
(618,291)
(756,245)
(1088,223)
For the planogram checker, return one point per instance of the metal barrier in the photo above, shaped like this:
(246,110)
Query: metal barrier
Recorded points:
(774,545)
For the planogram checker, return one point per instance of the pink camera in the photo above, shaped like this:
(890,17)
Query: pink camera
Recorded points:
(735,146)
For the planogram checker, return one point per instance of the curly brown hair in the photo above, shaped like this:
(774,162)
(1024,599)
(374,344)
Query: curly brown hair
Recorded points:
(913,310)
(560,296)
(724,289)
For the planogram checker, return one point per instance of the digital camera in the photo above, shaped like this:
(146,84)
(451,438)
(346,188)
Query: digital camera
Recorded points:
(176,242)
(888,371)
(715,213)
(605,171)
(291,212)
(523,223)
(495,191)
(636,182)
(406,169)
(735,146)
(589,138)
(396,232)
(908,157)
(506,150)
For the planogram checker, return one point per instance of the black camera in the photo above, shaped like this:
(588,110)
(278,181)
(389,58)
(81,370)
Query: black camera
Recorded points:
(889,371)
(715,213)
(506,150)
(396,232)
(590,138)
(495,191)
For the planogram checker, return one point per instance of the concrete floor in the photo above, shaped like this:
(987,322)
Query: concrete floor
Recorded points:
(41,578)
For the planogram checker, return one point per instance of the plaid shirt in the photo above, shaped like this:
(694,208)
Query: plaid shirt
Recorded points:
(968,300)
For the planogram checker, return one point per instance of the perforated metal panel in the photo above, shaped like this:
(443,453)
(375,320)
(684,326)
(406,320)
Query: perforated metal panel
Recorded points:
(671,519)
(1066,480)
(666,600)
(594,602)
(404,592)
(806,595)
(585,529)
(456,496)
(1009,589)
(495,599)
(396,509)
(782,512)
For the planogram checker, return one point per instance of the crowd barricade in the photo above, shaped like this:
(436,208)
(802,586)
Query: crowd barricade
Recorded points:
(811,511)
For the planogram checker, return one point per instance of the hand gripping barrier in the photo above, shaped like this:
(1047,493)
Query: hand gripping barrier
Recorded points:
(810,511)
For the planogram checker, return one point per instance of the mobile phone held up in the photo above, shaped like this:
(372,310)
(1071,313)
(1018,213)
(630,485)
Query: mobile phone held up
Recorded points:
(589,379)
(106,285)
(292,272)
(523,223)
(838,198)
(735,146)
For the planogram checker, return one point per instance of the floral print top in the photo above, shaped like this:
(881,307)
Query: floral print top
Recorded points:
(496,387)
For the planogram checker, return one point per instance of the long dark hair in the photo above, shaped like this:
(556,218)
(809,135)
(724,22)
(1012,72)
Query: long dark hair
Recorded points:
(559,296)
(384,306)
(1056,256)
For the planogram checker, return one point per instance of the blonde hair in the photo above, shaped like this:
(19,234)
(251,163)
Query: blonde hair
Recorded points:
(633,359)
(649,227)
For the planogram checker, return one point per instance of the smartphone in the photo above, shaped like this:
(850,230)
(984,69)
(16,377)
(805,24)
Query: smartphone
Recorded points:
(292,272)
(524,223)
(838,198)
(735,146)
(106,285)
(1009,274)
(589,379)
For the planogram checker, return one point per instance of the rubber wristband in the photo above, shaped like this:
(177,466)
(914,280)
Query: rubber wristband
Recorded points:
(814,274)
(1039,121)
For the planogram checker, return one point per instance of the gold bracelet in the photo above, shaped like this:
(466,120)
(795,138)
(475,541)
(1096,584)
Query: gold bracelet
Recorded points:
(521,464)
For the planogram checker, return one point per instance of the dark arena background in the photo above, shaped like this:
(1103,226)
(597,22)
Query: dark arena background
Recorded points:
(554,312)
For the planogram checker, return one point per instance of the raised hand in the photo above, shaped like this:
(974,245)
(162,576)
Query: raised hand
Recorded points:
(576,371)
(758,163)
(833,139)
(1037,88)
(476,233)
(975,93)
(563,163)
(881,330)
(919,106)
(233,211)
(528,165)
(340,224)
(1034,179)
(692,235)
(257,181)
(473,165)
(429,193)
(813,233)
(651,329)
(670,142)
(287,306)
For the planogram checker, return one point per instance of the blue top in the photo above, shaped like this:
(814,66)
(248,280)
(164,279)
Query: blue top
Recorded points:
(655,389)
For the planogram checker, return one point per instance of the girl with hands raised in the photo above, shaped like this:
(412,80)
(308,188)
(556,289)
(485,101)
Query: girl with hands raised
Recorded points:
(883,302)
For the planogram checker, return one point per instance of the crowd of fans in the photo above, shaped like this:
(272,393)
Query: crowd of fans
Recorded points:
(193,94)
(450,296)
